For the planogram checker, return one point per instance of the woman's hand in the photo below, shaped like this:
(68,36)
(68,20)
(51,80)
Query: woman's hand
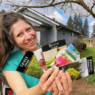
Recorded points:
(62,84)
(46,82)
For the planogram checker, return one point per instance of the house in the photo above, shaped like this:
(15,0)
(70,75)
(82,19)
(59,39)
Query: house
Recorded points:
(47,29)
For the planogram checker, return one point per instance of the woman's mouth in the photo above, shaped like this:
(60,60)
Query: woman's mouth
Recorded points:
(31,42)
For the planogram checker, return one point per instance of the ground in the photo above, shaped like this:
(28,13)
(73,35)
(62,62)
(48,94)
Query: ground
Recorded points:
(81,87)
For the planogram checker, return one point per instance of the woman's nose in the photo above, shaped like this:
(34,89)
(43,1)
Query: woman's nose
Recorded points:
(27,36)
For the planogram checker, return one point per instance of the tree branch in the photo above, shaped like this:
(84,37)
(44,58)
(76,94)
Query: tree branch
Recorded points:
(48,5)
(87,8)
(29,2)
(52,4)
(13,4)
(93,6)
(72,7)
(1,1)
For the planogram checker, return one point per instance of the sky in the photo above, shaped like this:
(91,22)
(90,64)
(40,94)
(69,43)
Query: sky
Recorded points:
(62,17)
(59,14)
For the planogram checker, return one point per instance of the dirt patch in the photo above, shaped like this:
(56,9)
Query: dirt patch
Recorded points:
(81,87)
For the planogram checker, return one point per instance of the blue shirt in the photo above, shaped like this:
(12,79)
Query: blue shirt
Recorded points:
(11,65)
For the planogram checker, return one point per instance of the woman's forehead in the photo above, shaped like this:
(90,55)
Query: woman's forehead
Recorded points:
(19,25)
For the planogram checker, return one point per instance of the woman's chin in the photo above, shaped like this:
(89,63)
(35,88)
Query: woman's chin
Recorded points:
(34,47)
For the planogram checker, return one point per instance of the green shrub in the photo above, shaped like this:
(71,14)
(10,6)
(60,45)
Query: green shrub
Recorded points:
(73,73)
(79,44)
(83,46)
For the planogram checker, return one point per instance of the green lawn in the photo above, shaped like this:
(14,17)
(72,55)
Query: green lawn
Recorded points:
(90,51)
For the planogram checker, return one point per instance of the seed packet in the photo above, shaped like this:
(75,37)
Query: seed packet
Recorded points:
(39,55)
(58,54)
(82,68)
(30,65)
(72,52)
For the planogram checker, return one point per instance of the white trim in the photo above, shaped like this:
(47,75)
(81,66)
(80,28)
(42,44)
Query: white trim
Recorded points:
(32,19)
(4,87)
(42,16)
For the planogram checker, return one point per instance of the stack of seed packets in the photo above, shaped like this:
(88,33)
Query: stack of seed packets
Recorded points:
(56,55)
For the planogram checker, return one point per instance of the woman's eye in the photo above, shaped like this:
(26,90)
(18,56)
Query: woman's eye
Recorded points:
(18,35)
(28,29)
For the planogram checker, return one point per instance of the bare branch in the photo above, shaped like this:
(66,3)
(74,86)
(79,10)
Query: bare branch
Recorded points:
(29,2)
(52,2)
(93,6)
(93,0)
(10,2)
(62,6)
(86,15)
(72,7)
(48,5)
(1,1)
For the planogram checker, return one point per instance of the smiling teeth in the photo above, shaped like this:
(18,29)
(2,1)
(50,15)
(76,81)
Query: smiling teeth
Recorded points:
(31,42)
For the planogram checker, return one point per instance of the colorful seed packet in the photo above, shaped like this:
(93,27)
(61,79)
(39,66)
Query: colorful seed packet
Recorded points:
(30,65)
(58,54)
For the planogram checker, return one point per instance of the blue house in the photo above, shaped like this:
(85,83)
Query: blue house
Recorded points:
(47,29)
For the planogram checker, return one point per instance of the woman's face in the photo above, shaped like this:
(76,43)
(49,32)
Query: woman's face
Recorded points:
(24,35)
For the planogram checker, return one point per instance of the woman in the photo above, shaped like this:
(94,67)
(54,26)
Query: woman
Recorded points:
(16,30)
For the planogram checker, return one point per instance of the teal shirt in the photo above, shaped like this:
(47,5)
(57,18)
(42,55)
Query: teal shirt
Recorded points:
(12,64)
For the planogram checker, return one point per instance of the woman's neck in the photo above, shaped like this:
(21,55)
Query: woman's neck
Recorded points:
(24,51)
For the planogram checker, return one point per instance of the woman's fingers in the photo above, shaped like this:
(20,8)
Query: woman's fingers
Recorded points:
(46,81)
(51,79)
(59,74)
(59,82)
(69,81)
(50,88)
(59,85)
(55,89)
(45,76)
(65,83)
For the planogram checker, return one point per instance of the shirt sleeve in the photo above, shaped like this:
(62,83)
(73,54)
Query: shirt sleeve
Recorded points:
(13,61)
(11,65)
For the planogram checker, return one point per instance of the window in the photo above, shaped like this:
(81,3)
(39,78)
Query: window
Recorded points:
(63,33)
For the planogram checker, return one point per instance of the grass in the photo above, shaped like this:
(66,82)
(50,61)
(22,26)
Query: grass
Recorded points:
(89,51)
(90,79)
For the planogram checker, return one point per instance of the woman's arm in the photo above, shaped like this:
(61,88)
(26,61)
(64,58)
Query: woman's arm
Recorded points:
(18,85)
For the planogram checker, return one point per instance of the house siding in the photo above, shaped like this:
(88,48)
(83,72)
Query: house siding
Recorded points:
(44,35)
(67,36)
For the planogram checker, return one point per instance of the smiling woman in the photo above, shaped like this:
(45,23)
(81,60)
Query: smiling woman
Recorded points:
(24,36)
(15,30)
